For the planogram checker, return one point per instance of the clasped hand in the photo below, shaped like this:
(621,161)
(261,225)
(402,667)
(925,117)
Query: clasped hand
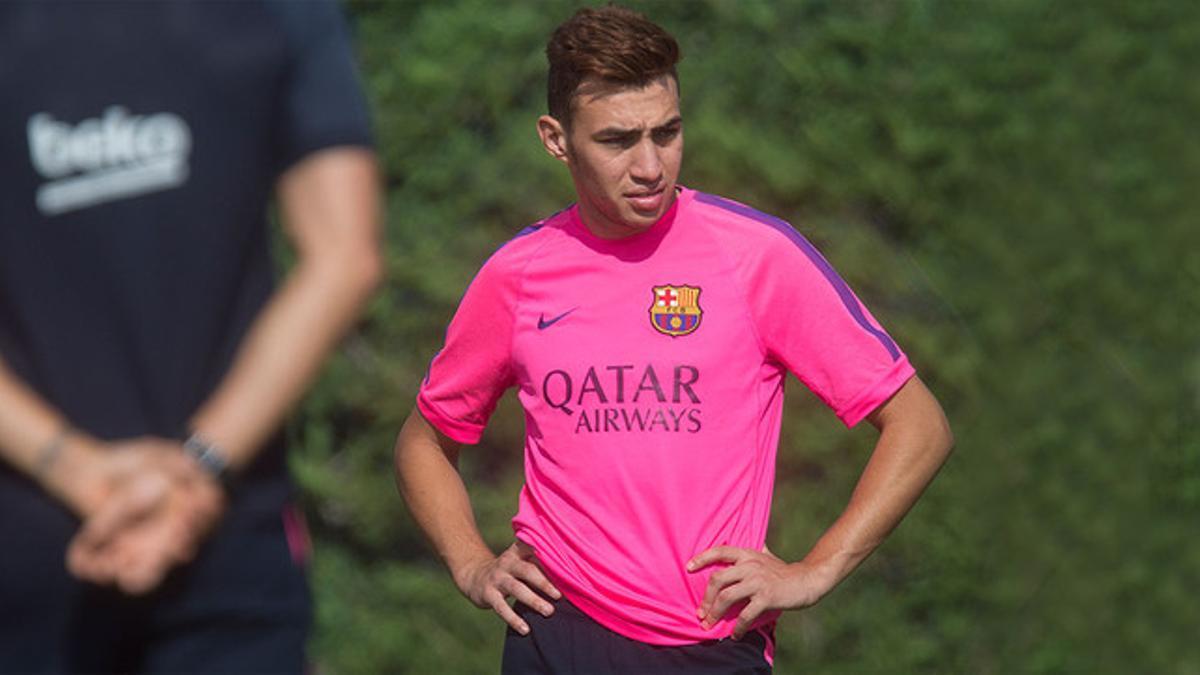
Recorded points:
(147,508)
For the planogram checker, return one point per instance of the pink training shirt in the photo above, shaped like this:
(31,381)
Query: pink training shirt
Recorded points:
(651,371)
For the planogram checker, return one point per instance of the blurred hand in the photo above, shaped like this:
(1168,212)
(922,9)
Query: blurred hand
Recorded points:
(146,509)
(489,582)
(759,579)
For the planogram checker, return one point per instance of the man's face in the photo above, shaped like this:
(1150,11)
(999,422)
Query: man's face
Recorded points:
(624,149)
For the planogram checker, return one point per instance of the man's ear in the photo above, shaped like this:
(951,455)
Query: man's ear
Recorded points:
(554,137)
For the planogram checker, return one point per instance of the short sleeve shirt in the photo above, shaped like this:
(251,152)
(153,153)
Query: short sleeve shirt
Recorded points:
(651,370)
(140,144)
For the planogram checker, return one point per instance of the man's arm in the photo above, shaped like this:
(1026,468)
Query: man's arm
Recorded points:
(330,212)
(37,440)
(32,439)
(330,208)
(914,442)
(429,481)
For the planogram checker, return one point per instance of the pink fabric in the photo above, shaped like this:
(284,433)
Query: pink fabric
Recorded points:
(295,529)
(645,448)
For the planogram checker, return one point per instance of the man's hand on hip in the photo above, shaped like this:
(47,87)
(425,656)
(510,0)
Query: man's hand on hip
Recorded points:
(759,579)
(488,582)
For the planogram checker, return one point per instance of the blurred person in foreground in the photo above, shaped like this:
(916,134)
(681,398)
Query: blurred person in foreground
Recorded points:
(146,356)
(648,330)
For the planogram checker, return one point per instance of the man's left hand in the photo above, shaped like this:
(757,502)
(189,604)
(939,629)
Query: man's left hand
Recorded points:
(758,578)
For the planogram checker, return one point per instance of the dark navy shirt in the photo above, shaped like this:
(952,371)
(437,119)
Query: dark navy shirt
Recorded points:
(139,147)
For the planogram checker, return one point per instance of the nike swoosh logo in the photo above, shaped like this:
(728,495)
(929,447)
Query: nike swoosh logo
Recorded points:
(543,323)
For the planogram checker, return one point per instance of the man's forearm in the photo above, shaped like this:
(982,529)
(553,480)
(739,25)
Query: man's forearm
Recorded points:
(32,440)
(436,496)
(914,442)
(330,205)
(438,500)
(27,423)
(281,355)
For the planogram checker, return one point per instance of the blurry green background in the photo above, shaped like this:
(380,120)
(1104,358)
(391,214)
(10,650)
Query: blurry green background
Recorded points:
(1010,186)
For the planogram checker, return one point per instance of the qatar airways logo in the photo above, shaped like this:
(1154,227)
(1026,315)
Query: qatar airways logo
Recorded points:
(114,156)
(627,398)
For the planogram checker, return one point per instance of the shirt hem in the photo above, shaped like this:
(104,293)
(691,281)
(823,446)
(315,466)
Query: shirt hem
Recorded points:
(872,396)
(458,431)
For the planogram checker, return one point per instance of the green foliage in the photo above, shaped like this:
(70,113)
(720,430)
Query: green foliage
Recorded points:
(1006,184)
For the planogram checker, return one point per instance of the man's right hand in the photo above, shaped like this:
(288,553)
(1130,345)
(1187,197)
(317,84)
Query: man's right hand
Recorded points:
(489,582)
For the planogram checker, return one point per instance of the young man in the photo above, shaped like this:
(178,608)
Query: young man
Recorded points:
(648,330)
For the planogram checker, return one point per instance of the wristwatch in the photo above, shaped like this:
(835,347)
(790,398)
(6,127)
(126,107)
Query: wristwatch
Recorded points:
(210,457)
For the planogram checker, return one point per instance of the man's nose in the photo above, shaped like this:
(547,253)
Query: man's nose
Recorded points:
(646,167)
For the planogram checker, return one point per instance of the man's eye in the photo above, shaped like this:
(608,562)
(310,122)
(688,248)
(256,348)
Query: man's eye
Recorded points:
(665,135)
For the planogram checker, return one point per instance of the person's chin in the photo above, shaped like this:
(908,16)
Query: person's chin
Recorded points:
(640,222)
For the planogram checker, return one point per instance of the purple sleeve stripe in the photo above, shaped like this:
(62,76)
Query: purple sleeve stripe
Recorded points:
(524,231)
(534,227)
(843,291)
(528,230)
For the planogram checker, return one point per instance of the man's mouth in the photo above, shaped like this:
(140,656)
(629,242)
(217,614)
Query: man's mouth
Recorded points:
(646,201)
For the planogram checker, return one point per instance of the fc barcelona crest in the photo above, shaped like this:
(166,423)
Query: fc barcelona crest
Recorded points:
(675,310)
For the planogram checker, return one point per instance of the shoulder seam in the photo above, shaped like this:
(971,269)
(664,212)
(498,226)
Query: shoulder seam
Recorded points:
(772,226)
(520,289)
(741,287)
(815,257)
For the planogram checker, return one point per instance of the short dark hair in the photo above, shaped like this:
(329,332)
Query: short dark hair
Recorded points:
(611,43)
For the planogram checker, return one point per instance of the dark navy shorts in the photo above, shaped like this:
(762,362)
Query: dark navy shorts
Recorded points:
(568,642)
(242,606)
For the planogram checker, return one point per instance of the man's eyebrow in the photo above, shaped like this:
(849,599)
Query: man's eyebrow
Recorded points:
(673,122)
(622,131)
(615,131)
